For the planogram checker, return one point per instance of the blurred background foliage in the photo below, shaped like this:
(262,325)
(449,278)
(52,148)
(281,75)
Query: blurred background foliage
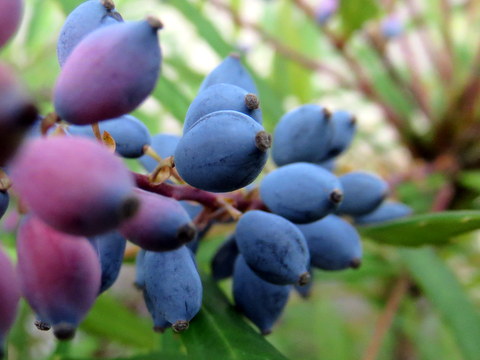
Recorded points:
(416,96)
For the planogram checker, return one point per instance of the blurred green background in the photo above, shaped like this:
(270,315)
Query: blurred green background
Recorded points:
(416,98)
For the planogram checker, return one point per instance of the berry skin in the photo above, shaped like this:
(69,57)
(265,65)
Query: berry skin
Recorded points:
(10,17)
(110,248)
(98,81)
(301,192)
(230,71)
(345,127)
(10,295)
(174,287)
(85,18)
(222,97)
(363,192)
(161,223)
(4,200)
(273,247)
(303,134)
(59,275)
(387,211)
(17,113)
(224,259)
(159,323)
(259,300)
(164,145)
(334,244)
(80,187)
(129,133)
(224,151)
(139,270)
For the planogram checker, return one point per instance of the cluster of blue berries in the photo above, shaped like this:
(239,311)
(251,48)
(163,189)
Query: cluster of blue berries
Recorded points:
(85,204)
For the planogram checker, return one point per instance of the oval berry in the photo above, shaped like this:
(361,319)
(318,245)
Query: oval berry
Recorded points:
(160,224)
(59,274)
(98,81)
(224,151)
(79,186)
(273,247)
(85,18)
(301,192)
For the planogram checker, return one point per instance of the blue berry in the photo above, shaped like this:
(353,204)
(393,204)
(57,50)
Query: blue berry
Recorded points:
(301,192)
(333,243)
(363,192)
(260,301)
(85,18)
(224,151)
(110,248)
(174,287)
(345,126)
(230,71)
(129,133)
(224,259)
(273,247)
(222,97)
(303,134)
(387,211)
(4,201)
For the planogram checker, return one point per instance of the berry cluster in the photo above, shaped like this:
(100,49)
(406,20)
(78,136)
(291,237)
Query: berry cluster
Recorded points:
(80,203)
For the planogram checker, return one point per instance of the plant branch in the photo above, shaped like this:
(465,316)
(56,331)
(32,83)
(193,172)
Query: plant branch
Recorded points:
(386,318)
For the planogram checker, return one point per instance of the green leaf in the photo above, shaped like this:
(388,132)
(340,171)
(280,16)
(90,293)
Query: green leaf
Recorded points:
(448,297)
(205,28)
(435,228)
(219,332)
(151,356)
(112,320)
(354,13)
(470,179)
(172,98)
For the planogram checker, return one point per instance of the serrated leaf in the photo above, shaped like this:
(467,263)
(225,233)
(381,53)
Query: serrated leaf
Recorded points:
(219,332)
(435,228)
(355,13)
(113,321)
(448,297)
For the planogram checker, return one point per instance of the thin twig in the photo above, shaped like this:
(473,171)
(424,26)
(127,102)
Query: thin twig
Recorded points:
(386,318)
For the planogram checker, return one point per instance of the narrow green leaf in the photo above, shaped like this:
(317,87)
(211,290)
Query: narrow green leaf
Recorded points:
(448,297)
(171,98)
(68,5)
(435,228)
(151,356)
(355,13)
(219,332)
(205,29)
(110,319)
(470,179)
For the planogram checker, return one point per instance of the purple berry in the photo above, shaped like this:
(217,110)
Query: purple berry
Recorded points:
(10,17)
(59,274)
(79,186)
(9,294)
(110,72)
(160,224)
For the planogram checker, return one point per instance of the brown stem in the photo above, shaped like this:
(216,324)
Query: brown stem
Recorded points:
(386,318)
